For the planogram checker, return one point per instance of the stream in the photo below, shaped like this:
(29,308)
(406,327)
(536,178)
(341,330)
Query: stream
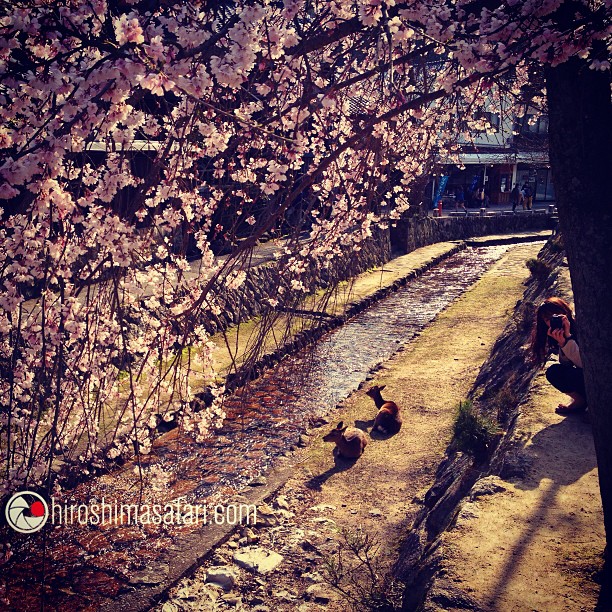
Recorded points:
(267,417)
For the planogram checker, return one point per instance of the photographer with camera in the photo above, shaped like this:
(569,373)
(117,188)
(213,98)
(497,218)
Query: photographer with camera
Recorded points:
(555,331)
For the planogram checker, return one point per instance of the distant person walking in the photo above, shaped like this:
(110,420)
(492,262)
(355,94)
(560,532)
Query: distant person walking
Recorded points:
(515,197)
(460,199)
(469,198)
(480,197)
(527,197)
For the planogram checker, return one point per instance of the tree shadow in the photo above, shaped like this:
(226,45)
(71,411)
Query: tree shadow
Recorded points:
(341,464)
(560,454)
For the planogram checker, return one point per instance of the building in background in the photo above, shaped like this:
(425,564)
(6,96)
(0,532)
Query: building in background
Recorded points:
(512,151)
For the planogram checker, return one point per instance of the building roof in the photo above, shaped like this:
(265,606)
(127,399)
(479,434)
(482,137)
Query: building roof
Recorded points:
(503,157)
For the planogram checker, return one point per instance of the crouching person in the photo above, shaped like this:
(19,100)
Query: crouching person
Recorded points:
(556,331)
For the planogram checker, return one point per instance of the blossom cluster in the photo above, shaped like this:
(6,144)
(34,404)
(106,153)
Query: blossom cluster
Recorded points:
(135,137)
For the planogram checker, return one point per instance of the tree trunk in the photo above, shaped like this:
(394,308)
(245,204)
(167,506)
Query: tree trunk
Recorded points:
(580,136)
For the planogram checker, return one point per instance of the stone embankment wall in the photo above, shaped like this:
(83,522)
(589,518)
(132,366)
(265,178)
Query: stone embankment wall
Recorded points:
(410,234)
(263,281)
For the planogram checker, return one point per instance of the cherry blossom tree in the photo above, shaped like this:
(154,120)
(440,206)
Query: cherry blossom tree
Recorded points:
(126,127)
(136,134)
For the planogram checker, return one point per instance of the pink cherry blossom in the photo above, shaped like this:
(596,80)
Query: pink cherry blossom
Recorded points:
(128,30)
(120,156)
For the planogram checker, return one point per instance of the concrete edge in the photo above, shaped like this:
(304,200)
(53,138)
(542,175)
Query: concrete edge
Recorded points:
(190,551)
(511,239)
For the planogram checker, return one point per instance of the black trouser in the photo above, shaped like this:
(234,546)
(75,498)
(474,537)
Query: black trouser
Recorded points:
(567,378)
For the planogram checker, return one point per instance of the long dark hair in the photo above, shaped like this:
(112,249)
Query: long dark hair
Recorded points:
(541,342)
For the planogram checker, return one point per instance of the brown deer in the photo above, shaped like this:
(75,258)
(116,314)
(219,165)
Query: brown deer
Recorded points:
(388,420)
(350,441)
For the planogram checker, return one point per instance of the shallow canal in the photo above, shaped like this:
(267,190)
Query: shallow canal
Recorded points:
(267,417)
(263,421)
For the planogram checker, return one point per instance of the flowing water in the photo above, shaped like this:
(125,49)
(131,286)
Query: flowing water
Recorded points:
(267,417)
(263,420)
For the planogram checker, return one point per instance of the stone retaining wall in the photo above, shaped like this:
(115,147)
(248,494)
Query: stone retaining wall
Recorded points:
(263,281)
(411,234)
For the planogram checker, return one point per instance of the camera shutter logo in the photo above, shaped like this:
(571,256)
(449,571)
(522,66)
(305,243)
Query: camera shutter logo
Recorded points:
(27,512)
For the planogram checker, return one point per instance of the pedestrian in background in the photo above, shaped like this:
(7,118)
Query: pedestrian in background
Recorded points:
(470,194)
(460,199)
(515,196)
(527,197)
(480,196)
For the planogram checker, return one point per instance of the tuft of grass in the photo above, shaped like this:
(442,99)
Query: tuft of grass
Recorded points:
(538,268)
(472,431)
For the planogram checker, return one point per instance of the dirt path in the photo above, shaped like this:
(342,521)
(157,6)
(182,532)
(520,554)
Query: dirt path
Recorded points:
(536,542)
(381,493)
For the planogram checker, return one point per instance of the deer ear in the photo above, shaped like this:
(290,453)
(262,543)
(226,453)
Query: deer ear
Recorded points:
(340,425)
(381,387)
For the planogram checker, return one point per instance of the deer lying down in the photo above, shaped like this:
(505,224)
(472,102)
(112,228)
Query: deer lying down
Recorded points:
(350,441)
(388,420)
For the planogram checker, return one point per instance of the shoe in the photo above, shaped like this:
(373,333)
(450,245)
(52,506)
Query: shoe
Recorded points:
(567,410)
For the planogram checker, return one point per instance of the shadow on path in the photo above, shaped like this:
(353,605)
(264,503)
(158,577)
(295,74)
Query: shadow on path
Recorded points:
(561,454)
(379,435)
(340,465)
(364,425)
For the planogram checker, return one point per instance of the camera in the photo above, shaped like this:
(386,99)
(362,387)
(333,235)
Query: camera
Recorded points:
(556,321)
